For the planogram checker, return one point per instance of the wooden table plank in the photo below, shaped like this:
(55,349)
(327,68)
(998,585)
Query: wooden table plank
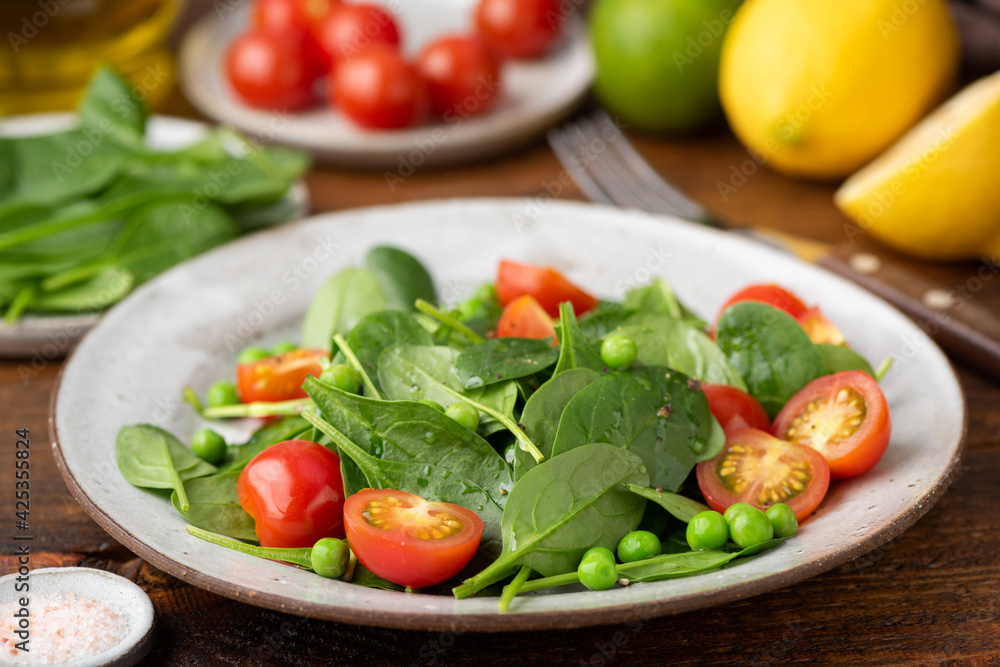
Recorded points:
(932,596)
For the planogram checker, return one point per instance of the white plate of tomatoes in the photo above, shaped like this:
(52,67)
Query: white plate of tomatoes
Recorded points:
(395,86)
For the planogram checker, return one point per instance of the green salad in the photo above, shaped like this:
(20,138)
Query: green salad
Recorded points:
(531,436)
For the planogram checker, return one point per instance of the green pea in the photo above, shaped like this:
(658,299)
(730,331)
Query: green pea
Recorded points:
(329,557)
(733,509)
(597,569)
(208,445)
(222,393)
(749,527)
(638,545)
(252,354)
(618,351)
(464,414)
(782,520)
(342,377)
(707,530)
(432,404)
(283,347)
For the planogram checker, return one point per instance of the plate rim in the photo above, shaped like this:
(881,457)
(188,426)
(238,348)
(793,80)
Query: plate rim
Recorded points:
(488,622)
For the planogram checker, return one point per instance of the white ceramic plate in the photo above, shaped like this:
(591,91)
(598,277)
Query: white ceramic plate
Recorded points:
(43,338)
(536,94)
(187,326)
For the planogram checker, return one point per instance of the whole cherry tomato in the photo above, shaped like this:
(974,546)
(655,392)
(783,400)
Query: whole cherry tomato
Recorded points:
(270,72)
(350,29)
(462,76)
(295,494)
(377,88)
(519,28)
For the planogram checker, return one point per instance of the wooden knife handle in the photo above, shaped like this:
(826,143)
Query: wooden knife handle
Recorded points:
(952,318)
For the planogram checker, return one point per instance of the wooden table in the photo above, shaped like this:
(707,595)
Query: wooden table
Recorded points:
(931,596)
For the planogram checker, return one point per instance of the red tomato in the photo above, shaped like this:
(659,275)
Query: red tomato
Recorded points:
(548,286)
(284,16)
(812,320)
(772,295)
(462,76)
(349,29)
(735,409)
(410,541)
(844,417)
(524,318)
(378,89)
(519,28)
(278,378)
(757,468)
(271,72)
(295,494)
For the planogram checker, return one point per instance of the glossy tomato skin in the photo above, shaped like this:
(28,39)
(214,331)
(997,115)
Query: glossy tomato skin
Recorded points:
(378,89)
(524,318)
(545,284)
(519,28)
(282,16)
(349,29)
(849,454)
(404,550)
(735,409)
(772,295)
(295,494)
(278,378)
(462,76)
(268,71)
(771,460)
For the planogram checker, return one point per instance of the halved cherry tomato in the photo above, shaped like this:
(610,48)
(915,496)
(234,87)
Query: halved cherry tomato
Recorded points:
(813,322)
(759,469)
(278,378)
(408,540)
(844,417)
(548,286)
(524,318)
(295,494)
(269,71)
(378,88)
(820,329)
(519,28)
(735,408)
(351,28)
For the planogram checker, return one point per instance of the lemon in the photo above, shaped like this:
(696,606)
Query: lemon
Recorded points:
(934,193)
(819,88)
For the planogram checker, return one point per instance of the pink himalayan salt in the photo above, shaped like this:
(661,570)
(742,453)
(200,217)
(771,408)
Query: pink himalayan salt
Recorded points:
(63,628)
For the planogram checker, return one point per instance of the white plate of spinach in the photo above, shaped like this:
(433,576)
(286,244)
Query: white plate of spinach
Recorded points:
(95,202)
(187,327)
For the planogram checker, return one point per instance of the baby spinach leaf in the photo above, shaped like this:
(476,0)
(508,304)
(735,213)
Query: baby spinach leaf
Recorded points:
(430,481)
(108,105)
(656,297)
(215,506)
(105,287)
(716,442)
(680,507)
(563,507)
(574,350)
(501,359)
(151,458)
(654,412)
(384,329)
(543,410)
(842,358)
(602,320)
(365,577)
(770,350)
(161,235)
(339,305)
(410,432)
(401,278)
(678,344)
(286,428)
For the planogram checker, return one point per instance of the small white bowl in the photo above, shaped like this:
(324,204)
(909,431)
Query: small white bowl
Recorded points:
(114,592)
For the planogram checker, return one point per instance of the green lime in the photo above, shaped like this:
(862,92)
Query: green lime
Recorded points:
(658,60)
